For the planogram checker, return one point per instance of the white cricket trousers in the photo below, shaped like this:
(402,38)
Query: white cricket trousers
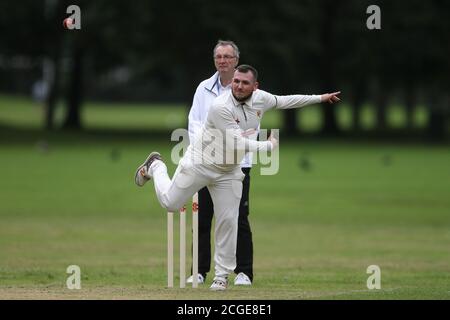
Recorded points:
(226,192)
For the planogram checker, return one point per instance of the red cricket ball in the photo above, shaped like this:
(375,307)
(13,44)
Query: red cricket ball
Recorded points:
(67,22)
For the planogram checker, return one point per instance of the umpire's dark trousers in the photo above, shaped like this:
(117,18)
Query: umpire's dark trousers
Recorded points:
(244,250)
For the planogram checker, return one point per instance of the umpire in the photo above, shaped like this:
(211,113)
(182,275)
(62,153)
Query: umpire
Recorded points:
(226,58)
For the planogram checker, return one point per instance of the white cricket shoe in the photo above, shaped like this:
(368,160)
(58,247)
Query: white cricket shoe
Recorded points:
(242,280)
(219,284)
(200,280)
(142,174)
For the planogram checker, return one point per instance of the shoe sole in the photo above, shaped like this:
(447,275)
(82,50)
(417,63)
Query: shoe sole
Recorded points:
(218,289)
(143,165)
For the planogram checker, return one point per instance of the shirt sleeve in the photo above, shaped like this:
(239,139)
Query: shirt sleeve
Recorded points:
(296,101)
(271,101)
(195,120)
(223,120)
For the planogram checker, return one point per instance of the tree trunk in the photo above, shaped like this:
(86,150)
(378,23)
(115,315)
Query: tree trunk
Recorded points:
(52,65)
(53,87)
(329,127)
(290,122)
(438,106)
(409,104)
(74,97)
(358,100)
(381,111)
(381,102)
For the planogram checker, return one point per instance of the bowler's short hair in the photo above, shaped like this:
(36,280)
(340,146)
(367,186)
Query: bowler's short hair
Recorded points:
(244,68)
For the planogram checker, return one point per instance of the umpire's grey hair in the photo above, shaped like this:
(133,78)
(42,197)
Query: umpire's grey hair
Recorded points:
(222,43)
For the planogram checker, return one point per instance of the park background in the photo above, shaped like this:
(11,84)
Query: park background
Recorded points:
(361,183)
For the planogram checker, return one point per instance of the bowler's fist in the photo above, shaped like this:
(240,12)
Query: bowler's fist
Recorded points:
(274,141)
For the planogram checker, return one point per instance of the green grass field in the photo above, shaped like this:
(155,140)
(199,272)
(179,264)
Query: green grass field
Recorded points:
(316,228)
(24,113)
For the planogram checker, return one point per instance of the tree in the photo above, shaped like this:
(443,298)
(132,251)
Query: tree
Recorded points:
(52,60)
(328,38)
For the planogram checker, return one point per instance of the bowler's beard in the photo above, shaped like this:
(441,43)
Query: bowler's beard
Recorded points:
(242,99)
